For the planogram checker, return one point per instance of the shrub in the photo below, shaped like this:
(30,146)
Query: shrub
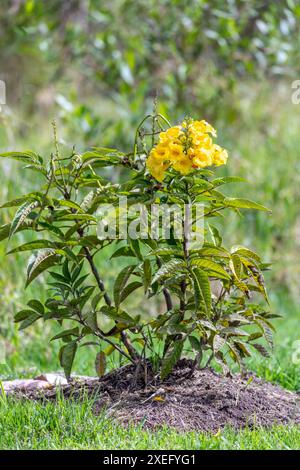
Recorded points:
(69,220)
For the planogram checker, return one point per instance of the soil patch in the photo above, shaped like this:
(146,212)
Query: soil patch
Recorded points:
(207,401)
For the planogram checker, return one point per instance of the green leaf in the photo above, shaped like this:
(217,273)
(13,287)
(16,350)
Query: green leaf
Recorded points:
(66,357)
(129,289)
(232,331)
(20,200)
(63,334)
(39,263)
(117,315)
(27,157)
(212,250)
(34,245)
(171,358)
(91,320)
(215,235)
(235,265)
(71,204)
(239,203)
(195,343)
(243,251)
(147,274)
(166,251)
(202,291)
(123,251)
(96,300)
(29,320)
(22,315)
(228,179)
(215,268)
(36,305)
(170,267)
(20,216)
(5,229)
(121,281)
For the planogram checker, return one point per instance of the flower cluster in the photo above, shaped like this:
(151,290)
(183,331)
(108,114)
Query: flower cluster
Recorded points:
(185,147)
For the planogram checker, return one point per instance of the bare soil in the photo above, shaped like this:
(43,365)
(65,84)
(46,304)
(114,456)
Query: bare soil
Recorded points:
(207,401)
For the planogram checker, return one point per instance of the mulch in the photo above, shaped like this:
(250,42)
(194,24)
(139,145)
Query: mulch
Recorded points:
(207,401)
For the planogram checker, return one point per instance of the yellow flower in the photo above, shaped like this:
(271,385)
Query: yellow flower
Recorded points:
(183,165)
(220,156)
(175,152)
(156,166)
(184,148)
(170,134)
(202,140)
(161,152)
(203,158)
(203,127)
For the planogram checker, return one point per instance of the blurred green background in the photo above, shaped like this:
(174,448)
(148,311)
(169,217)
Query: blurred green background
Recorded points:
(96,67)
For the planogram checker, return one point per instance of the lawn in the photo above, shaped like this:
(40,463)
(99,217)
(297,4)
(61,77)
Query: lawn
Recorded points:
(69,425)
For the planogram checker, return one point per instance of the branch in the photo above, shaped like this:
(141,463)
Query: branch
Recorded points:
(126,341)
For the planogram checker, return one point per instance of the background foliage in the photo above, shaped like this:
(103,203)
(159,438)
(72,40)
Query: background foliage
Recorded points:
(96,66)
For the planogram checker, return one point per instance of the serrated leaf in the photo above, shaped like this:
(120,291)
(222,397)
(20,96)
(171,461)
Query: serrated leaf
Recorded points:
(240,203)
(235,265)
(33,245)
(121,281)
(5,229)
(243,251)
(254,336)
(202,291)
(20,216)
(218,343)
(215,235)
(261,349)
(170,267)
(171,358)
(232,331)
(215,268)
(165,251)
(26,157)
(20,200)
(39,263)
(100,363)
(213,251)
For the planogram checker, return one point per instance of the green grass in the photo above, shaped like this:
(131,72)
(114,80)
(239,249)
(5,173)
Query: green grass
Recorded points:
(69,425)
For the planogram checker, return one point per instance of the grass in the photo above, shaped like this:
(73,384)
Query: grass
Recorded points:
(69,425)
(263,147)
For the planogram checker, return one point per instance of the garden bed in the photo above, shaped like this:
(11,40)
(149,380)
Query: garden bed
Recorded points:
(207,401)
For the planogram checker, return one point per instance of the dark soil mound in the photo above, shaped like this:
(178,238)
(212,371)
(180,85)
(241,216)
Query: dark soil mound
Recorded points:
(205,402)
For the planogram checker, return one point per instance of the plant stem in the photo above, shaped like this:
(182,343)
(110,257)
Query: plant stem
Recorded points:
(125,339)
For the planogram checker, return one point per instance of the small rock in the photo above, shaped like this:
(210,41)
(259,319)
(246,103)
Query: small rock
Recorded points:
(24,385)
(53,379)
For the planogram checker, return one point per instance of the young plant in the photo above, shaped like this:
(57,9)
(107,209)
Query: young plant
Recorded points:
(70,219)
